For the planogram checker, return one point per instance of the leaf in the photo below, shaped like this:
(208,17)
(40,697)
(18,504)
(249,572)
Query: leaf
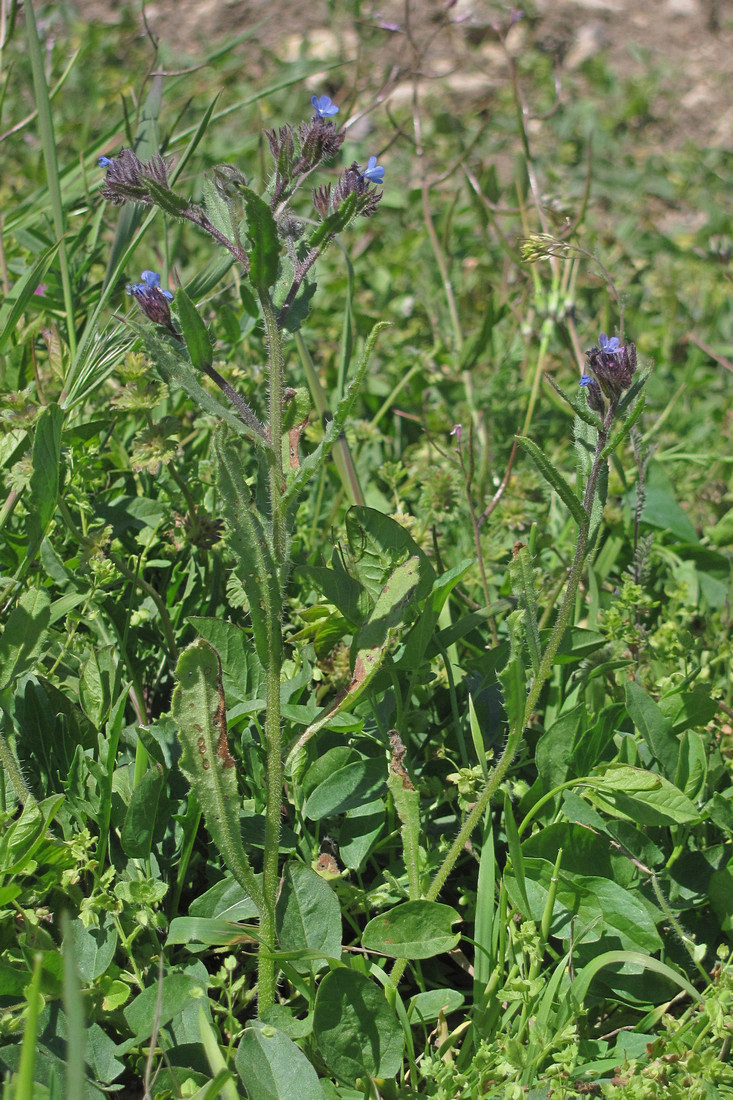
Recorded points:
(426,1007)
(407,804)
(413,930)
(264,241)
(160,1002)
(255,563)
(639,795)
(372,644)
(22,292)
(194,331)
(581,983)
(140,820)
(378,544)
(348,787)
(308,914)
(357,1033)
(44,483)
(654,728)
(94,949)
(272,1067)
(199,710)
(210,931)
(169,202)
(23,635)
(556,748)
(555,479)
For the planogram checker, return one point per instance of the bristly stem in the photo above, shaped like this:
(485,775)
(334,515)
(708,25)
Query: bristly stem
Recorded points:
(273,730)
(543,673)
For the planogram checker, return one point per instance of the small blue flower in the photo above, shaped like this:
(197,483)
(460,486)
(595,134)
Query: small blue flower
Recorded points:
(374,172)
(610,345)
(585,380)
(104,162)
(151,279)
(323,106)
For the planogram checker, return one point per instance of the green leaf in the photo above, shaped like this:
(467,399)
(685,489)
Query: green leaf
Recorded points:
(161,1001)
(555,479)
(23,635)
(638,795)
(308,914)
(137,832)
(357,1033)
(346,788)
(581,984)
(272,1067)
(407,804)
(556,748)
(426,1007)
(194,331)
(264,241)
(335,222)
(513,680)
(22,292)
(378,544)
(44,483)
(255,563)
(199,709)
(372,643)
(94,949)
(654,727)
(414,930)
(210,931)
(168,201)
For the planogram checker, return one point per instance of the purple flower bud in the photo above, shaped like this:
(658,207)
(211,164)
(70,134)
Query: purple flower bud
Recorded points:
(152,299)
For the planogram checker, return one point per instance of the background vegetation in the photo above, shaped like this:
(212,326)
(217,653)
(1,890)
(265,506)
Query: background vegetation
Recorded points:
(595,897)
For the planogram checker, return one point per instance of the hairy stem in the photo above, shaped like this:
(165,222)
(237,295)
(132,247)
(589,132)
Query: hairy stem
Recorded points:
(273,730)
(544,671)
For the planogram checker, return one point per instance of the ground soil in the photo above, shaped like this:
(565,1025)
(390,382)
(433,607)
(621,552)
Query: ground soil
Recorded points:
(689,43)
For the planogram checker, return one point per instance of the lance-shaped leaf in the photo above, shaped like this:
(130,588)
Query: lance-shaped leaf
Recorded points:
(624,430)
(265,246)
(194,330)
(174,368)
(555,479)
(255,562)
(372,644)
(521,573)
(336,222)
(168,201)
(407,803)
(199,711)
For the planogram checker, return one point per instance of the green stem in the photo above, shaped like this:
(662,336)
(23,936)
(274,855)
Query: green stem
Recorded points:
(273,730)
(544,671)
(10,764)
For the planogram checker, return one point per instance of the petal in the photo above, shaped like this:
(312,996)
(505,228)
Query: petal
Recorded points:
(151,279)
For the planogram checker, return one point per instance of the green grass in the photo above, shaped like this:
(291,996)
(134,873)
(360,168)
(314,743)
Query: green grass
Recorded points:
(594,895)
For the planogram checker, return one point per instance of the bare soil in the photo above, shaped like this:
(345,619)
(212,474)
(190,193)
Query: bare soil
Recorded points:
(687,43)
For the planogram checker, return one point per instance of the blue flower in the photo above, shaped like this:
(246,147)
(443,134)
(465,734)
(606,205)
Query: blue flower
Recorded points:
(104,162)
(151,279)
(610,345)
(585,380)
(323,106)
(374,172)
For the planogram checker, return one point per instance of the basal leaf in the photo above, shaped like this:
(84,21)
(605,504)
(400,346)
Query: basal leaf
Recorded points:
(414,930)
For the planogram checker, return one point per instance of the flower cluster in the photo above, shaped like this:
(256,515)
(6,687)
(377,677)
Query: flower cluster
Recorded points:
(352,182)
(127,176)
(152,299)
(612,367)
